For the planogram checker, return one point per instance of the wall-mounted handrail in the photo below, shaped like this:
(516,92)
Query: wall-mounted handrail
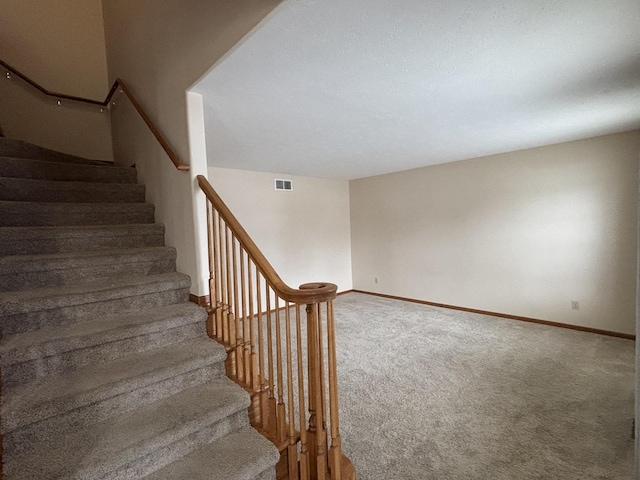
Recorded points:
(312,293)
(118,83)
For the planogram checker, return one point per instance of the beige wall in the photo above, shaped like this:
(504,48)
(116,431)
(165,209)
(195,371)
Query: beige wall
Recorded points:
(304,233)
(160,48)
(61,46)
(522,233)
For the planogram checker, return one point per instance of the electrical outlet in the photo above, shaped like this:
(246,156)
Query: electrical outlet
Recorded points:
(375,279)
(575,305)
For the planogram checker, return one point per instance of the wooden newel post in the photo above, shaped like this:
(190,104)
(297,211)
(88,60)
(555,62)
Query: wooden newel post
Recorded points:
(317,431)
(304,446)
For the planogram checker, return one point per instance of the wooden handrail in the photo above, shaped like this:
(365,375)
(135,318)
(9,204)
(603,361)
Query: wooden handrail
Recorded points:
(118,83)
(307,294)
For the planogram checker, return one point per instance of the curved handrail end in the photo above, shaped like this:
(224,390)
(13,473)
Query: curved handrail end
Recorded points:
(322,288)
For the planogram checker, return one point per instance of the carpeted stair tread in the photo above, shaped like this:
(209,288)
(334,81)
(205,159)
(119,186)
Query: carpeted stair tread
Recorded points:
(19,149)
(20,272)
(25,301)
(35,190)
(24,214)
(34,263)
(50,341)
(27,310)
(58,350)
(242,455)
(57,394)
(140,440)
(75,238)
(75,172)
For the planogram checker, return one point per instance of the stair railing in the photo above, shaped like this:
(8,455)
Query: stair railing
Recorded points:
(286,364)
(118,85)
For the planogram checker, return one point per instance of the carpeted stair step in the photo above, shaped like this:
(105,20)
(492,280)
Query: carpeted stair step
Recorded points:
(47,240)
(30,190)
(74,172)
(19,149)
(22,272)
(58,404)
(138,442)
(28,356)
(242,455)
(25,214)
(32,309)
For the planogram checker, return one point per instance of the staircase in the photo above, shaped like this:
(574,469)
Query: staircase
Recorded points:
(107,371)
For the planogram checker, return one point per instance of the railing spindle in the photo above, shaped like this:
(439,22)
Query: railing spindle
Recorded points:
(211,324)
(246,319)
(304,451)
(335,452)
(224,280)
(313,379)
(237,338)
(218,276)
(281,412)
(251,354)
(292,449)
(322,413)
(230,321)
(264,405)
(231,336)
(272,425)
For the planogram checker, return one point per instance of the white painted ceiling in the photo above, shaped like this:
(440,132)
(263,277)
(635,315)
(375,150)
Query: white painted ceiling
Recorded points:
(355,88)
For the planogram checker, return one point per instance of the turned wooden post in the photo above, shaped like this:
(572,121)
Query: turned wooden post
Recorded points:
(323,397)
(245,319)
(317,460)
(211,304)
(281,410)
(304,448)
(335,452)
(292,449)
(224,281)
(216,301)
(229,317)
(263,385)
(238,340)
(271,415)
(251,359)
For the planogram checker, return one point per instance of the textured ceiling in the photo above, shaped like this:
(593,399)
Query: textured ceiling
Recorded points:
(356,88)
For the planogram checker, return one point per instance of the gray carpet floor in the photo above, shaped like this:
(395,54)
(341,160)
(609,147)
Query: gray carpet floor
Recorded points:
(432,393)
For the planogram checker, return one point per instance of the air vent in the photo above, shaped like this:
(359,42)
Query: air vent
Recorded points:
(286,185)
